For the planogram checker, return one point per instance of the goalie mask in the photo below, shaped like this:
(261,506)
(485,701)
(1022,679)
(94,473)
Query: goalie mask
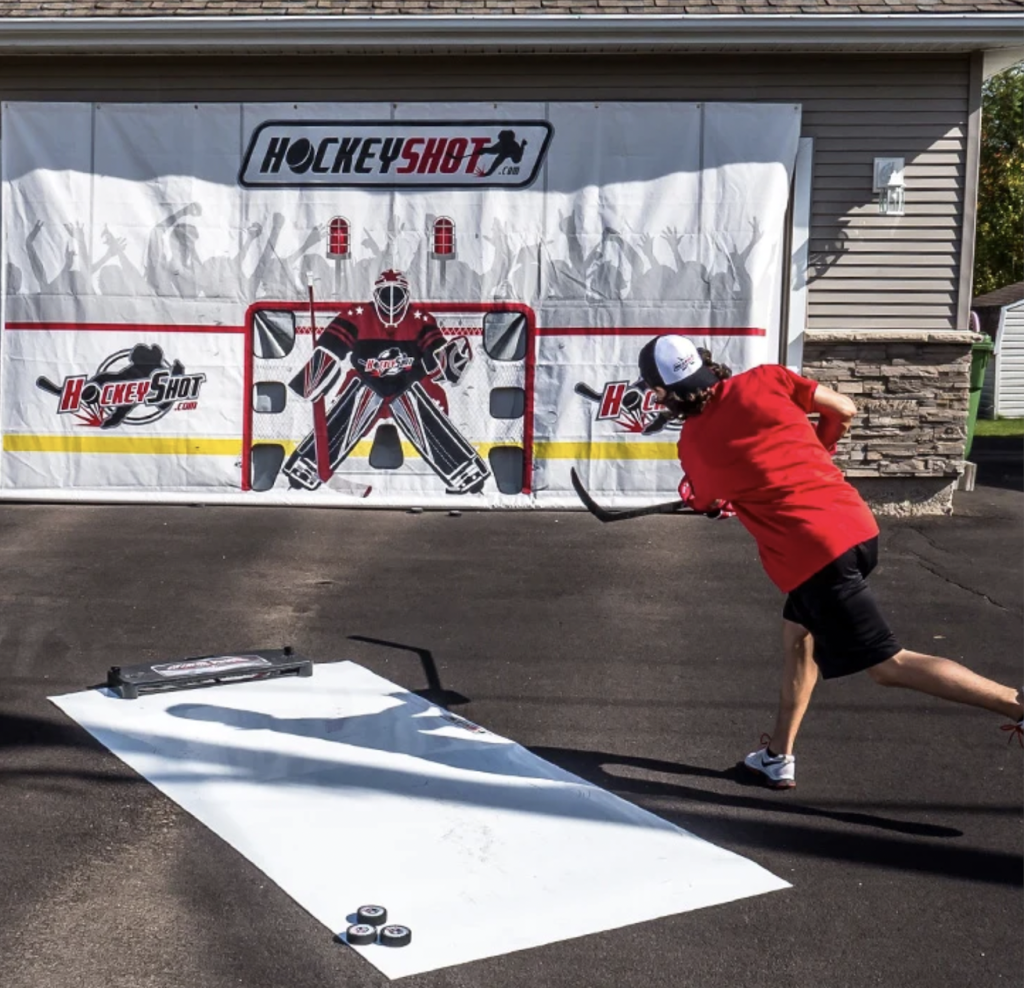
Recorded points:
(391,297)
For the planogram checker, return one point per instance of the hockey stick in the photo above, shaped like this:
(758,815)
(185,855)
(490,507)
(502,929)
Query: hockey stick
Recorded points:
(321,442)
(606,514)
(586,391)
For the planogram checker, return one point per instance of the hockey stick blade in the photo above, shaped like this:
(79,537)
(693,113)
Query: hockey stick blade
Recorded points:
(606,515)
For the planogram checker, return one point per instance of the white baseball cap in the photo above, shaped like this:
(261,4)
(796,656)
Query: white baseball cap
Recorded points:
(672,362)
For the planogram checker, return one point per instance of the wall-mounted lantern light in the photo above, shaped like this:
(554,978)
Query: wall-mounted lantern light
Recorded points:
(889,186)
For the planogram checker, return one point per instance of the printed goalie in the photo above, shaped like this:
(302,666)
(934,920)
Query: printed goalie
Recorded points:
(389,361)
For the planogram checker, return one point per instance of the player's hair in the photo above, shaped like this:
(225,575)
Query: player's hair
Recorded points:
(684,405)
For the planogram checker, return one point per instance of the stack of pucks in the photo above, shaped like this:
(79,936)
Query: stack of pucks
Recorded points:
(364,930)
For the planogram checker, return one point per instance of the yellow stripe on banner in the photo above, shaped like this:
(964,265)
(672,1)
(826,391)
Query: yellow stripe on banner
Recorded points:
(604,451)
(180,446)
(159,446)
(145,445)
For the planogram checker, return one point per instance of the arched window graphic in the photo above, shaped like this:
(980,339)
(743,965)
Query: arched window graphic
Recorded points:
(444,238)
(338,238)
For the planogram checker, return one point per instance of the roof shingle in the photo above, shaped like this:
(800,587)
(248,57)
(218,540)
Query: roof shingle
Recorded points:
(1000,297)
(464,8)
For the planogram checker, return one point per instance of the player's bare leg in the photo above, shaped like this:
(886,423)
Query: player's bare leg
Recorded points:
(799,677)
(774,763)
(949,680)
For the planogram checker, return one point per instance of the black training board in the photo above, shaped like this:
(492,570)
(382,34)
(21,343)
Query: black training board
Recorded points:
(130,682)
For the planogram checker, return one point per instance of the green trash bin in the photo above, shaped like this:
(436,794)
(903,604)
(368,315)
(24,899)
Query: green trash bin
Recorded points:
(980,354)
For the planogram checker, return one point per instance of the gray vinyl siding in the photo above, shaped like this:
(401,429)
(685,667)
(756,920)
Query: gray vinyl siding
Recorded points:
(867,271)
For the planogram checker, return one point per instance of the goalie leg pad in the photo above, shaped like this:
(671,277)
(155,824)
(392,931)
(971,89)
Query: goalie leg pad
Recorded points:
(348,420)
(439,443)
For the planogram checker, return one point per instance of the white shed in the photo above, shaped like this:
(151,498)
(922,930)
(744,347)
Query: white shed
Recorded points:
(1001,314)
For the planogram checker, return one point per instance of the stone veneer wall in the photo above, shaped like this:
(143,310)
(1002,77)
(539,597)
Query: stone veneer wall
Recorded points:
(906,448)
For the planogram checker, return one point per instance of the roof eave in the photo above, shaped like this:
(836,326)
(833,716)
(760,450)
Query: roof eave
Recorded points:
(548,33)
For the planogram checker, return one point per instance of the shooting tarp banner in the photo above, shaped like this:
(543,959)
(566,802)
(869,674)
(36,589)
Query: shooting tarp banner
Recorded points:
(344,788)
(378,304)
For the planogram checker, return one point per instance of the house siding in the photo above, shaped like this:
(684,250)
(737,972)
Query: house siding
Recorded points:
(1010,364)
(866,271)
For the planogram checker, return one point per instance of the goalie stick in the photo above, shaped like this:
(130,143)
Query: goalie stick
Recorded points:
(322,456)
(606,514)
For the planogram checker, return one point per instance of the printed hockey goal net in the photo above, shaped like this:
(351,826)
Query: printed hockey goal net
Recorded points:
(414,445)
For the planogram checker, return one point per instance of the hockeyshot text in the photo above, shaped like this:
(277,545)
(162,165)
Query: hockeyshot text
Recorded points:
(454,154)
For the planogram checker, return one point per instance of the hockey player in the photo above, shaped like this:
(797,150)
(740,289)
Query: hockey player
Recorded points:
(398,356)
(747,445)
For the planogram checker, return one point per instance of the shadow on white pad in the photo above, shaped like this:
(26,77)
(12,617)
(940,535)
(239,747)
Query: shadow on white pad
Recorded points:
(346,789)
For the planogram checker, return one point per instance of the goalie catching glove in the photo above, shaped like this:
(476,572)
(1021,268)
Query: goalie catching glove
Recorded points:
(451,360)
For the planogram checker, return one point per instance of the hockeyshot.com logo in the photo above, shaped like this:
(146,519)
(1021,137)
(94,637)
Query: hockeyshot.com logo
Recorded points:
(393,154)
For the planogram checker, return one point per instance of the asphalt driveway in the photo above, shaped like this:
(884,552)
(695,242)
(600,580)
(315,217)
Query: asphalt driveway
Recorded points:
(642,656)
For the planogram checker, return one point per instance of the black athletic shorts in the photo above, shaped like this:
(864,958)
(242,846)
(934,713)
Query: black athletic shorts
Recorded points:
(837,607)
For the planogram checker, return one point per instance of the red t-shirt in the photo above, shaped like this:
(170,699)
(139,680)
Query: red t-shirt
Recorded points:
(754,446)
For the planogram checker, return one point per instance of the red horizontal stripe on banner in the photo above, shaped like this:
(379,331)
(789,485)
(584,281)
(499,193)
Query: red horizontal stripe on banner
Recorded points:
(111,327)
(649,331)
(118,327)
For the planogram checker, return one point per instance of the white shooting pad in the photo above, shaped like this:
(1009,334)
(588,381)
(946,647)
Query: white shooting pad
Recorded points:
(346,789)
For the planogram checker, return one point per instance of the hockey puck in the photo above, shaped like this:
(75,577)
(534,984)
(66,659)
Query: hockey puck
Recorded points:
(374,915)
(454,514)
(360,934)
(395,936)
(415,511)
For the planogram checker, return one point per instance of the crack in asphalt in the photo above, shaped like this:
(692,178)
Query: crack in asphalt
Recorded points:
(948,579)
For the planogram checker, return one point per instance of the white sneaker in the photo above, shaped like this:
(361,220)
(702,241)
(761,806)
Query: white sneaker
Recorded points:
(777,772)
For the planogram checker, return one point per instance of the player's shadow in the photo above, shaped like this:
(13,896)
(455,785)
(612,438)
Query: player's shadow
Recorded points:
(417,735)
(425,731)
(594,767)
(787,833)
(772,823)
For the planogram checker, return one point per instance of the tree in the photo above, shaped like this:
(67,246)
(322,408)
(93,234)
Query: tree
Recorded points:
(999,248)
